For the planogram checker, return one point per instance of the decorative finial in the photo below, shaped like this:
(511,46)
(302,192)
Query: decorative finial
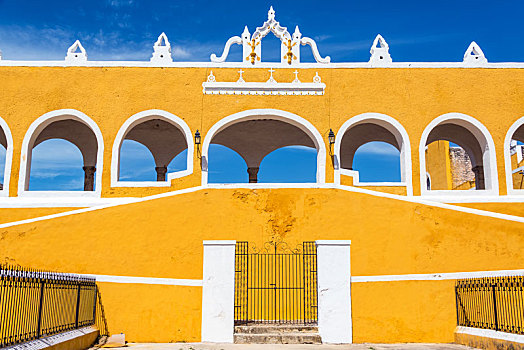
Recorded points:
(296,81)
(211,78)
(474,55)
(162,50)
(380,52)
(271,14)
(271,80)
(316,79)
(297,34)
(76,53)
(241,78)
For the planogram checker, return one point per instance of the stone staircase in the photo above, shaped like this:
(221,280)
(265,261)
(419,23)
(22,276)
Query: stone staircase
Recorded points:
(276,334)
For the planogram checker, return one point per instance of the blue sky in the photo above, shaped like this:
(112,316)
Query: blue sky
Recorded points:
(344,30)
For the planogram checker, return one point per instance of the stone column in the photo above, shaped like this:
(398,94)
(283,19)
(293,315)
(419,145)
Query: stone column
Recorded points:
(218,292)
(253,174)
(334,291)
(89,178)
(480,183)
(161,173)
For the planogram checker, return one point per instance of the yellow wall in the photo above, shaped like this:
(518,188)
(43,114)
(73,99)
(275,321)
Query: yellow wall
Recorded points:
(111,95)
(438,165)
(163,238)
(16,214)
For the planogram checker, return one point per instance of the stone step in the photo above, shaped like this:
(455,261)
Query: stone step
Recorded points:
(286,338)
(275,329)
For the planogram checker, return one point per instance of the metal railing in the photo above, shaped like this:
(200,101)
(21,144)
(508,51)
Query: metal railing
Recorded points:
(495,303)
(34,304)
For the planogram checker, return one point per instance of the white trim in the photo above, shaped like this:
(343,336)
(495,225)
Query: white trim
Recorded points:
(61,202)
(412,199)
(139,118)
(436,276)
(334,291)
(253,114)
(356,179)
(218,292)
(8,158)
(349,65)
(393,126)
(507,157)
(32,133)
(490,162)
(262,88)
(147,280)
(489,333)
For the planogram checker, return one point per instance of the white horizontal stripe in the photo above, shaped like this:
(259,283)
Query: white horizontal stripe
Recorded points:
(410,199)
(147,280)
(488,333)
(436,276)
(13,63)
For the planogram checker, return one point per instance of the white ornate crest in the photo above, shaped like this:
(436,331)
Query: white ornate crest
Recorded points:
(76,53)
(379,52)
(269,87)
(289,48)
(162,50)
(474,55)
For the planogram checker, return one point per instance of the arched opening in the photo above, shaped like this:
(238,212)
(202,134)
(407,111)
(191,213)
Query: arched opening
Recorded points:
(514,157)
(68,125)
(458,154)
(151,148)
(280,136)
(374,149)
(50,173)
(6,157)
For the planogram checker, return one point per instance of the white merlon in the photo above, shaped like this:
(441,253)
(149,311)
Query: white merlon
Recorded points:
(162,50)
(76,53)
(474,55)
(379,52)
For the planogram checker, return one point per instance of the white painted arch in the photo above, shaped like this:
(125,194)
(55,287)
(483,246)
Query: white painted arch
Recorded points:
(27,147)
(393,126)
(268,113)
(8,157)
(486,143)
(139,118)
(507,156)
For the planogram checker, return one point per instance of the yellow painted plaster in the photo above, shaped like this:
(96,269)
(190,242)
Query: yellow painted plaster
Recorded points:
(16,214)
(109,96)
(163,238)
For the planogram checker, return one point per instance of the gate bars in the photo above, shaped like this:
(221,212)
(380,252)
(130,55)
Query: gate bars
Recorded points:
(495,303)
(276,285)
(34,304)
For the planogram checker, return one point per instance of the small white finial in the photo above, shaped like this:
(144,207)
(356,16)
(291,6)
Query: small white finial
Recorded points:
(271,80)
(245,33)
(297,35)
(241,78)
(76,53)
(162,50)
(296,81)
(474,55)
(211,78)
(316,79)
(271,13)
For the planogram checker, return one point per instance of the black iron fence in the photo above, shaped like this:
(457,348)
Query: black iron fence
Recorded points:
(492,303)
(276,284)
(34,304)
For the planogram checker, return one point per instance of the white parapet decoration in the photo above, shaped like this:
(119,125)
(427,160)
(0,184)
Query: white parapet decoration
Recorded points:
(474,55)
(252,47)
(269,87)
(218,291)
(334,291)
(379,52)
(162,50)
(76,53)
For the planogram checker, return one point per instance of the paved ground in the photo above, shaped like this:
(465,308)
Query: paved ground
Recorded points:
(200,346)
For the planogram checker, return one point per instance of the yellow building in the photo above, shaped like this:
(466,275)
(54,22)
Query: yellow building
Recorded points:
(144,240)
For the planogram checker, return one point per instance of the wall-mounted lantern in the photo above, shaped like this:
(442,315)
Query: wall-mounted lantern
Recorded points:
(331,137)
(197,142)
